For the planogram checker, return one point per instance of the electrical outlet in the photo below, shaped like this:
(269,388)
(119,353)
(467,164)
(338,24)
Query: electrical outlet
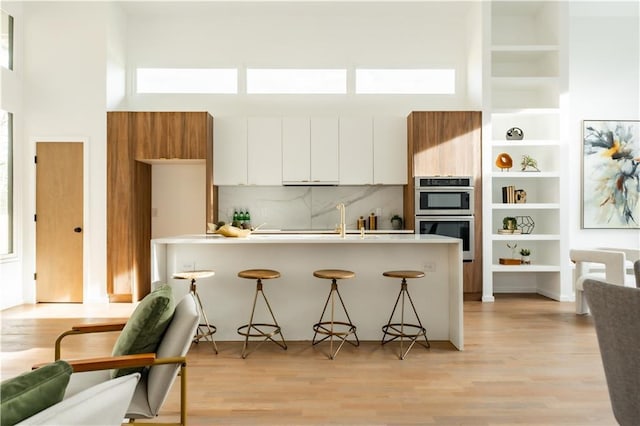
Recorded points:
(430,267)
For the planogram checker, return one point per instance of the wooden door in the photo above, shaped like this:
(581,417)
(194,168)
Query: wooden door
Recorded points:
(59,225)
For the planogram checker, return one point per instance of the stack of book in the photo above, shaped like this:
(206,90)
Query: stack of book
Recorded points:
(509,194)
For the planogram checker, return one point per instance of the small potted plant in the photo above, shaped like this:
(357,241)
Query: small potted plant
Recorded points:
(396,222)
(509,223)
(525,253)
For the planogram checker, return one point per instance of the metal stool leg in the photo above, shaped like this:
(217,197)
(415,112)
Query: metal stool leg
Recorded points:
(210,329)
(256,326)
(392,329)
(321,326)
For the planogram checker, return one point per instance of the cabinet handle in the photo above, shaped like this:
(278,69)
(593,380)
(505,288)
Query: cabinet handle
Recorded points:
(77,229)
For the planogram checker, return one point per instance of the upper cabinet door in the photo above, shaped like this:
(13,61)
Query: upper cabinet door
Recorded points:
(170,135)
(324,150)
(356,150)
(195,141)
(168,130)
(390,150)
(296,150)
(230,151)
(264,165)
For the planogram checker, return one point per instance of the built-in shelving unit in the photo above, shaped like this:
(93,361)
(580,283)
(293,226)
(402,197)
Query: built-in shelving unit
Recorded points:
(525,82)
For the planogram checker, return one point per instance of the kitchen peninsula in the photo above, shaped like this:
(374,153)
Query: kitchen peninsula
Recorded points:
(297,297)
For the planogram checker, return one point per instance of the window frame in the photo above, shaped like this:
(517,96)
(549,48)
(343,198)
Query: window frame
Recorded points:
(232,89)
(10,36)
(10,231)
(317,89)
(446,76)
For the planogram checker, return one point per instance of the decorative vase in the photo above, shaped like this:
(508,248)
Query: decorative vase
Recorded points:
(515,134)
(396,223)
(526,260)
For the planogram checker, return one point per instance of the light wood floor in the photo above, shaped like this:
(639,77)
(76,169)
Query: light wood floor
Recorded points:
(528,361)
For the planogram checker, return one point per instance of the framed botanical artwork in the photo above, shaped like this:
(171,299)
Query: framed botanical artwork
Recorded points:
(611,174)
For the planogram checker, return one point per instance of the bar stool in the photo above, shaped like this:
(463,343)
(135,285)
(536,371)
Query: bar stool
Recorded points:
(400,329)
(257,329)
(328,328)
(205,330)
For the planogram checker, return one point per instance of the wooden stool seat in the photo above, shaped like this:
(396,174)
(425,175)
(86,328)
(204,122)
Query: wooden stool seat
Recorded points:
(334,274)
(205,329)
(403,329)
(193,275)
(403,274)
(266,331)
(259,274)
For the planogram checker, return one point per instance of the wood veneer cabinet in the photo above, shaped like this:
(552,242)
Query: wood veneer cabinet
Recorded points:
(169,135)
(134,141)
(448,143)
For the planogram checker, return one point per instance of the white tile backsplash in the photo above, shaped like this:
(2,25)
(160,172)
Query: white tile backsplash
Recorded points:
(309,207)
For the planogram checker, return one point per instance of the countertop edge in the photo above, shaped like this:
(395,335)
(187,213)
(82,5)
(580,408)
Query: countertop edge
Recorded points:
(308,239)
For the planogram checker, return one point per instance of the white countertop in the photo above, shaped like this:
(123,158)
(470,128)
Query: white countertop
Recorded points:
(307,239)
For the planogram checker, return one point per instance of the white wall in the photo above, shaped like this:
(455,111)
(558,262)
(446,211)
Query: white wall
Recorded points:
(65,98)
(604,83)
(177,208)
(325,35)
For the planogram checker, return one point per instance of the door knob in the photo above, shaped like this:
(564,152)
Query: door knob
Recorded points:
(77,229)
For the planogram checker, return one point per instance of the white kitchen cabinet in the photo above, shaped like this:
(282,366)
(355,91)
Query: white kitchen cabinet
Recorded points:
(296,150)
(230,151)
(390,150)
(310,150)
(324,150)
(264,147)
(356,150)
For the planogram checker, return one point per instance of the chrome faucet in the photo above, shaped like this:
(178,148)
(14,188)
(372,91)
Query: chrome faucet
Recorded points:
(343,224)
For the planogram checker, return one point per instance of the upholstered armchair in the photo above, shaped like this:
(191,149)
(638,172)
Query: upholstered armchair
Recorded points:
(156,334)
(616,314)
(152,347)
(610,265)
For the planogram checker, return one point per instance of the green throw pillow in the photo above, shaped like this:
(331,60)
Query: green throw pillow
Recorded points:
(145,328)
(29,393)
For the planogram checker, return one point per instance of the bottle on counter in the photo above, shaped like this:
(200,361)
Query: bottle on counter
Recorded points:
(236,219)
(247,220)
(361,223)
(373,222)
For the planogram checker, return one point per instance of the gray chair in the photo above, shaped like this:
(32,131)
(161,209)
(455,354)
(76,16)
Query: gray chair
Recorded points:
(616,313)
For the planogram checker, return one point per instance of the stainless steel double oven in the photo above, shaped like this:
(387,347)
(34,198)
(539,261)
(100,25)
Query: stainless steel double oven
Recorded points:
(444,205)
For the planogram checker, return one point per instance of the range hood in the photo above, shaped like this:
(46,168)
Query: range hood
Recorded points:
(309,183)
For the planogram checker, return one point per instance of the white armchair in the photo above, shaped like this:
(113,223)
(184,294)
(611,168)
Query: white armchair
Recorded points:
(610,265)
